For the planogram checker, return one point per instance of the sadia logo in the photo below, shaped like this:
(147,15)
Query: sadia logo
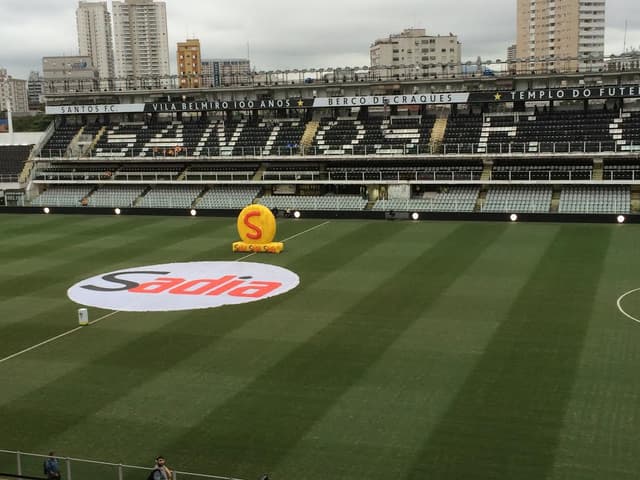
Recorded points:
(183,286)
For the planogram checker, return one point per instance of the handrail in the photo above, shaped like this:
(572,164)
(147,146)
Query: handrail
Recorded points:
(375,151)
(118,474)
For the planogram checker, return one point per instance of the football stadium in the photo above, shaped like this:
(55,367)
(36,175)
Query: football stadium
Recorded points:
(456,293)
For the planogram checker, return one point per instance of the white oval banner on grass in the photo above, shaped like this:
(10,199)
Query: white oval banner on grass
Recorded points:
(183,286)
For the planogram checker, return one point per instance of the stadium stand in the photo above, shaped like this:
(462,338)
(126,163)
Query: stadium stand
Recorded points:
(552,131)
(67,172)
(626,132)
(228,197)
(221,172)
(207,152)
(621,170)
(536,132)
(12,158)
(541,170)
(170,196)
(244,137)
(313,202)
(149,173)
(115,196)
(447,199)
(62,196)
(373,136)
(462,134)
(595,199)
(521,198)
(443,171)
(293,172)
(285,138)
(57,145)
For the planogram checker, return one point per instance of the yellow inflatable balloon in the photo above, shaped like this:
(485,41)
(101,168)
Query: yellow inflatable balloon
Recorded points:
(256,225)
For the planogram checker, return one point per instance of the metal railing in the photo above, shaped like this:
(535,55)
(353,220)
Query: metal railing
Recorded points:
(203,153)
(541,175)
(404,175)
(624,62)
(17,463)
(630,174)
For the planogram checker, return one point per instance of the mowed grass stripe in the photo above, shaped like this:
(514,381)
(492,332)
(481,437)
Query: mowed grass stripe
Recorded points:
(106,378)
(212,376)
(255,429)
(51,282)
(377,428)
(74,238)
(34,328)
(102,253)
(599,439)
(506,419)
(35,224)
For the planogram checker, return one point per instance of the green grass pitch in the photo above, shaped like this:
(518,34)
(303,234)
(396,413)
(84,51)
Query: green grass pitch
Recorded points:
(410,350)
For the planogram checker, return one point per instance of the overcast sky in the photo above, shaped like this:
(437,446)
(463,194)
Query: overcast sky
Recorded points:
(282,34)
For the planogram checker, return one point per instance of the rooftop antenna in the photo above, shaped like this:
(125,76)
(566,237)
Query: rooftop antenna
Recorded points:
(624,45)
(248,53)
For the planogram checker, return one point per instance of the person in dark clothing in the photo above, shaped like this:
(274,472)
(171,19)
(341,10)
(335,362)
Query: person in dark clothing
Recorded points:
(52,467)
(161,471)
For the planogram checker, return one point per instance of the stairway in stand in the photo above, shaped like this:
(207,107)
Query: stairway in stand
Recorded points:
(437,134)
(308,136)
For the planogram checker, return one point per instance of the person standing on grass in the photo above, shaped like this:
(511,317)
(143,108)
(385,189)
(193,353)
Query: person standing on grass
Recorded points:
(161,471)
(52,467)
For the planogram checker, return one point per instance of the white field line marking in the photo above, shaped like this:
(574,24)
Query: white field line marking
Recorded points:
(289,238)
(49,340)
(73,330)
(619,303)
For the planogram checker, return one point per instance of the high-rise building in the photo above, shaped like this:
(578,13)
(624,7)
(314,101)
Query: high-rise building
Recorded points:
(219,72)
(560,35)
(14,92)
(413,47)
(95,37)
(140,39)
(69,74)
(35,90)
(189,64)
(512,55)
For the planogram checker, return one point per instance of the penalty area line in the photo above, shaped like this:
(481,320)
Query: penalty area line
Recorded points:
(73,330)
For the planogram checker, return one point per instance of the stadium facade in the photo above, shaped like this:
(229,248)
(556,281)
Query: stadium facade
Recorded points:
(559,145)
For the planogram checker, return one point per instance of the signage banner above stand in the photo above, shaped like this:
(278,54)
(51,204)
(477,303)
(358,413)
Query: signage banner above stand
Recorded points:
(496,96)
